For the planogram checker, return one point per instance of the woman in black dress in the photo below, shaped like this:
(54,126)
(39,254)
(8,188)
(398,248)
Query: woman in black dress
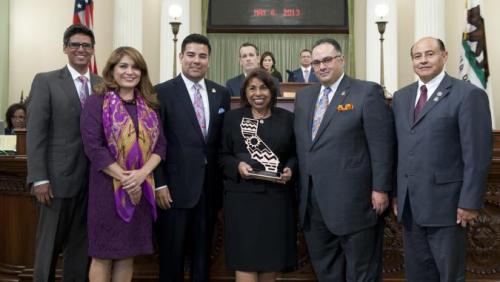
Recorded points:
(260,226)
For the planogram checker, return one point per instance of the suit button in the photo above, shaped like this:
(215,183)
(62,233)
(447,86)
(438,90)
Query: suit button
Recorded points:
(411,153)
(412,132)
(406,175)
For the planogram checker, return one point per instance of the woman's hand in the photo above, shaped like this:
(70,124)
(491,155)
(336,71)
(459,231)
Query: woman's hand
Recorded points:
(135,195)
(133,179)
(244,169)
(285,176)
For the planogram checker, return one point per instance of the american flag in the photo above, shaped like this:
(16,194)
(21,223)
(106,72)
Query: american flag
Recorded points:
(84,14)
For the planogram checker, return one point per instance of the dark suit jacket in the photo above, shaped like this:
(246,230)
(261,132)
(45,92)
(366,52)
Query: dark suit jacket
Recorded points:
(297,76)
(351,156)
(234,85)
(189,155)
(234,149)
(443,157)
(54,143)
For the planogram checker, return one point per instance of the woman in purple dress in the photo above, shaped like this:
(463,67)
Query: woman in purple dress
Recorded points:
(123,140)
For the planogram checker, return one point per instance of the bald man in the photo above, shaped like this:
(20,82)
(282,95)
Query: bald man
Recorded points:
(443,128)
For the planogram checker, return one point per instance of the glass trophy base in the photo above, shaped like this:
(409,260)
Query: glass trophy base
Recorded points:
(265,175)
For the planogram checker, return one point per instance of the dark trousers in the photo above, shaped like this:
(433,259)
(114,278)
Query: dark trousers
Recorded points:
(175,229)
(351,257)
(433,253)
(62,227)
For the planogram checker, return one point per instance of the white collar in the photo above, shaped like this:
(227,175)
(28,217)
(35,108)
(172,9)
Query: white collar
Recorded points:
(75,74)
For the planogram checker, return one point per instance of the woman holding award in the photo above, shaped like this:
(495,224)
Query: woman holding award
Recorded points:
(258,158)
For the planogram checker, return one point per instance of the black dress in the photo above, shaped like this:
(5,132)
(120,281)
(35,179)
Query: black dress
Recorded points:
(260,224)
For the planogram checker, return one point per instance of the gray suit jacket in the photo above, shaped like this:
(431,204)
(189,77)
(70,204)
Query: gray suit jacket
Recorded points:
(444,156)
(54,144)
(352,154)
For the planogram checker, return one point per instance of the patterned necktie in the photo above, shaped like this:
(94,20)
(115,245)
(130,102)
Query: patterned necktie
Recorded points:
(306,76)
(83,92)
(199,109)
(320,110)
(421,102)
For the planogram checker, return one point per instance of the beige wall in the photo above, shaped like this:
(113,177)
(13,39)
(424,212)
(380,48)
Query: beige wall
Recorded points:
(36,38)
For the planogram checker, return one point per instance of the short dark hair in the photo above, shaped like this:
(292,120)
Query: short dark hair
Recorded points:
(76,29)
(10,113)
(330,41)
(248,44)
(439,42)
(268,81)
(196,38)
(267,54)
(304,50)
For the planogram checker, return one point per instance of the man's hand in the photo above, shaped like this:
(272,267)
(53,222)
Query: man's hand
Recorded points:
(244,169)
(395,206)
(163,198)
(380,201)
(43,193)
(466,216)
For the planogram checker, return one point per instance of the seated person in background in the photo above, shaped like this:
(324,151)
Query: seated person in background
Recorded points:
(249,60)
(305,73)
(268,63)
(15,117)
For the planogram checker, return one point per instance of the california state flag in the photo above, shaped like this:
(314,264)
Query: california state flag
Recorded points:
(474,57)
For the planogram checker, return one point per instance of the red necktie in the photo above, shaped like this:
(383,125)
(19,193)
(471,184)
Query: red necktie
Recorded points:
(421,102)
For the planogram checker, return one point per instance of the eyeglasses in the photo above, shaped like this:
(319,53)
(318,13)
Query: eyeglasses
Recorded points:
(76,46)
(325,61)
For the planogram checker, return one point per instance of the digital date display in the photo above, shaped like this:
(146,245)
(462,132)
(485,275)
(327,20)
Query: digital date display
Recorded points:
(277,14)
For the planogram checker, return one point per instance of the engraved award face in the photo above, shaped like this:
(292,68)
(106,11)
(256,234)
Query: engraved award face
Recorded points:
(259,151)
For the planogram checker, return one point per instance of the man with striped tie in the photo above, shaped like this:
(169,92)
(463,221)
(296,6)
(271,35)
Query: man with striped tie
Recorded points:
(57,165)
(345,147)
(189,181)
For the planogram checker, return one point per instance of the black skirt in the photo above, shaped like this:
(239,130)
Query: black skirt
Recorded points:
(260,230)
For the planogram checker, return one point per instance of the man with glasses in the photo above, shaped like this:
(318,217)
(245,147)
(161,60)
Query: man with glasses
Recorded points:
(443,128)
(345,147)
(305,73)
(57,166)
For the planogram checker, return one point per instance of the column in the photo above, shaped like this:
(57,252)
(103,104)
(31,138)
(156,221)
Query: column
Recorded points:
(128,24)
(430,18)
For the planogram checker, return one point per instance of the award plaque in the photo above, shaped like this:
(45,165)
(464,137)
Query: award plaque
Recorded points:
(260,152)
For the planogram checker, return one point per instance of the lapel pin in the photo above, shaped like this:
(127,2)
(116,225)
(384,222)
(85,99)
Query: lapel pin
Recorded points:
(342,94)
(213,90)
(439,94)
(436,99)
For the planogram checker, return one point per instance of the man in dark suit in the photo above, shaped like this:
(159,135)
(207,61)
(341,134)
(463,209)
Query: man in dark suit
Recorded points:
(57,166)
(249,60)
(305,73)
(345,147)
(189,181)
(443,128)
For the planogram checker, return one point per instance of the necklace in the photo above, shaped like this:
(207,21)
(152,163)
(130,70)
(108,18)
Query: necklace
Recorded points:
(260,117)
(128,101)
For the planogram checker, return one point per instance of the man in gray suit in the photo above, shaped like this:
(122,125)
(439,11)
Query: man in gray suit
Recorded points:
(443,128)
(345,146)
(57,166)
